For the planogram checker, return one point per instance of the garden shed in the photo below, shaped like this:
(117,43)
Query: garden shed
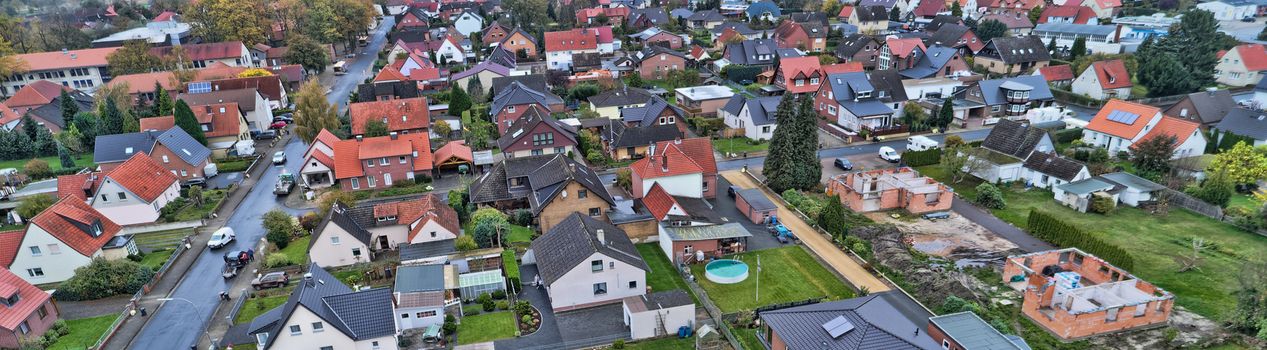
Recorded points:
(471,285)
(755,205)
(681,244)
(658,314)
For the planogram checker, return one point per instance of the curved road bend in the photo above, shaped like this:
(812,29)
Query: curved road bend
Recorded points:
(180,325)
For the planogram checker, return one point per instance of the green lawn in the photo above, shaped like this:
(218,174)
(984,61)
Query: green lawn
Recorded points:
(233,164)
(747,338)
(297,250)
(662,276)
(157,258)
(1243,200)
(673,343)
(790,274)
(486,327)
(55,164)
(210,199)
(518,234)
(740,145)
(84,332)
(162,239)
(258,306)
(1154,243)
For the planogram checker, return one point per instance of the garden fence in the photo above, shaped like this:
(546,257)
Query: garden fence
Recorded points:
(127,309)
(1196,205)
(237,307)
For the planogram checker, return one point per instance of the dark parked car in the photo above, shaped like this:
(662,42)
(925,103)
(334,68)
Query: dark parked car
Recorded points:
(284,118)
(1248,19)
(264,135)
(271,280)
(730,191)
(937,216)
(843,164)
(235,261)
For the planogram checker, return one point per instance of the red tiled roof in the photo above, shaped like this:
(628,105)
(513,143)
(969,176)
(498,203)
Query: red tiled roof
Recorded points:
(1112,74)
(727,34)
(800,67)
(929,8)
(143,176)
(1253,55)
(226,123)
(903,47)
(605,35)
(697,52)
(270,86)
(430,208)
(78,185)
(1012,21)
(35,94)
(658,202)
(399,114)
(1107,4)
(70,59)
(847,67)
(144,82)
(571,40)
(71,221)
(164,17)
(217,70)
(389,73)
(328,138)
(1080,14)
(7,114)
(453,149)
(30,299)
(349,154)
(1179,127)
(687,156)
(207,51)
(1101,123)
(845,12)
(158,123)
(10,241)
(1056,73)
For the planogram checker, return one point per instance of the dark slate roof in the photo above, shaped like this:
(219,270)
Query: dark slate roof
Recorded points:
(878,324)
(653,50)
(425,250)
(932,62)
(806,17)
(517,93)
(114,148)
(360,315)
(571,242)
(399,89)
(748,51)
(872,13)
(554,176)
(1054,165)
(532,81)
(941,20)
(666,299)
(546,175)
(1014,138)
(993,95)
(707,16)
(1013,50)
(971,332)
(244,97)
(528,121)
(1245,122)
(756,199)
(948,35)
(764,6)
(845,86)
(620,97)
(502,57)
(656,15)
(761,109)
(620,136)
(1211,106)
(680,12)
(851,44)
(739,27)
(52,111)
(339,216)
(419,278)
(585,61)
(890,82)
(647,115)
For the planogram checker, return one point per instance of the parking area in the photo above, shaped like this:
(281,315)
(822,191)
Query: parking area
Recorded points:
(860,162)
(725,206)
(1243,31)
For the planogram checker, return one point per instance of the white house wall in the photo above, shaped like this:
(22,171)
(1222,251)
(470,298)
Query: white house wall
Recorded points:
(57,267)
(326,253)
(430,227)
(642,325)
(576,287)
(330,336)
(413,321)
(685,185)
(131,210)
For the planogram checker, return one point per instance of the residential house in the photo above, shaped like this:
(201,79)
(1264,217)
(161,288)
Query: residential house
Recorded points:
(1014,55)
(957,36)
(322,310)
(845,12)
(687,244)
(602,15)
(84,70)
(537,133)
(1243,65)
(1205,107)
(1121,187)
(862,101)
(1245,123)
(403,116)
(421,293)
(388,85)
(339,240)
(764,9)
(878,320)
(723,33)
(1068,14)
(678,211)
(942,20)
(859,48)
(900,54)
(656,112)
(966,330)
(223,125)
(468,23)
(810,37)
(888,189)
(230,53)
(134,192)
(1048,170)
(928,89)
(754,117)
(43,102)
(1108,8)
(494,33)
(870,19)
(625,142)
(1010,97)
(1121,124)
(1006,148)
(412,19)
(551,186)
(684,167)
(1058,76)
(141,86)
(1088,297)
(1142,27)
(655,62)
(28,311)
(654,36)
(368,163)
(450,49)
(926,11)
(699,54)
(62,238)
(1230,10)
(165,29)
(1104,80)
(380,225)
(752,52)
(584,262)
(257,108)
(938,61)
(680,13)
(652,314)
(707,19)
(513,101)
(270,86)
(704,100)
(1103,39)
(1017,23)
(888,5)
(798,75)
(644,18)
(608,103)
(173,148)
(561,45)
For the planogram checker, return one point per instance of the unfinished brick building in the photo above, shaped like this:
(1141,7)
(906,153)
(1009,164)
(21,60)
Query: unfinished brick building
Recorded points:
(887,189)
(1075,295)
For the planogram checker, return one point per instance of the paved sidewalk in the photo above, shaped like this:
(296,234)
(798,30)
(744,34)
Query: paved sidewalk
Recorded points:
(835,258)
(132,326)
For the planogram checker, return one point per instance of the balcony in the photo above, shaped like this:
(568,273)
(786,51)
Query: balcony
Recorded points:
(1018,99)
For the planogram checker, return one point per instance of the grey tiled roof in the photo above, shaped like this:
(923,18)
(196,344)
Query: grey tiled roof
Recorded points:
(1244,122)
(656,15)
(1054,165)
(707,16)
(419,278)
(529,121)
(620,97)
(535,82)
(739,27)
(750,51)
(52,111)
(358,314)
(806,17)
(931,63)
(1014,138)
(397,89)
(851,44)
(647,115)
(1015,50)
(941,20)
(620,136)
(878,324)
(544,176)
(424,250)
(574,240)
(872,13)
(517,93)
(970,331)
(114,148)
(993,95)
(1211,106)
(366,314)
(652,50)
(339,216)
(948,35)
(761,109)
(553,177)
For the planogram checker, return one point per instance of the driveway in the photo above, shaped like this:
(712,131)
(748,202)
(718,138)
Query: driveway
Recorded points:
(568,330)
(725,206)
(223,180)
(1007,231)
(549,331)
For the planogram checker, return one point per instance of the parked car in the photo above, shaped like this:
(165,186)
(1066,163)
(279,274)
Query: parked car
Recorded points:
(279,157)
(730,191)
(277,125)
(221,238)
(284,118)
(889,154)
(235,261)
(1248,19)
(263,135)
(844,164)
(937,216)
(271,280)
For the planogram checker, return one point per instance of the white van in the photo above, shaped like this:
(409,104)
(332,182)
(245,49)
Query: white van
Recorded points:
(889,154)
(339,68)
(920,143)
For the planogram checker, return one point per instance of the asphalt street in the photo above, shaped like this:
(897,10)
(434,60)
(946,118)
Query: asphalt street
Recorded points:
(178,324)
(359,68)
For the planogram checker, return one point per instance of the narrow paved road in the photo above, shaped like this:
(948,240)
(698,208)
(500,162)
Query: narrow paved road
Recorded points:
(821,246)
(359,68)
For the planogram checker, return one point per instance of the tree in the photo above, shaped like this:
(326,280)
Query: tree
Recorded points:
(34,205)
(229,20)
(45,144)
(465,243)
(195,195)
(134,57)
(29,126)
(475,89)
(186,121)
(1250,315)
(459,101)
(1242,164)
(990,29)
(86,124)
(375,128)
(1164,75)
(955,9)
(442,128)
(63,156)
(329,199)
(305,52)
(830,6)
(1151,156)
(1051,46)
(959,162)
(9,63)
(833,218)
(915,117)
(946,115)
(491,227)
(792,162)
(895,14)
(112,120)
(254,72)
(953,141)
(1216,189)
(278,227)
(989,196)
(312,112)
(1035,13)
(1078,49)
(162,101)
(582,92)
(104,278)
(68,107)
(457,200)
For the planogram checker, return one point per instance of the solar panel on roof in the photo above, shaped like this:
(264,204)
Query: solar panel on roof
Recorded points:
(1123,117)
(838,326)
(200,87)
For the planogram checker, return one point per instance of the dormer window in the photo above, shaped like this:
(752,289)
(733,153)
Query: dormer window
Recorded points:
(11,300)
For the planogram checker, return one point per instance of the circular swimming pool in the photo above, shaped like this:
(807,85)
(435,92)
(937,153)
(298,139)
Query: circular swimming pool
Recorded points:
(726,271)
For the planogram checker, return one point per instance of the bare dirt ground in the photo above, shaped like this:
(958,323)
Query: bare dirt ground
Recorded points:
(949,238)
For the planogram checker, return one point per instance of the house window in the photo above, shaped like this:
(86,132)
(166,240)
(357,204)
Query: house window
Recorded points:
(54,249)
(510,109)
(294,330)
(25,328)
(165,159)
(42,311)
(427,313)
(122,197)
(334,240)
(433,234)
(35,272)
(596,265)
(633,284)
(945,344)
(327,348)
(371,181)
(369,163)
(600,288)
(383,161)
(184,173)
(402,159)
(374,345)
(35,251)
(596,212)
(356,252)
(317,327)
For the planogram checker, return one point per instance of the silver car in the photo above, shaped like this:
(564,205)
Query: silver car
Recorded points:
(279,157)
(221,238)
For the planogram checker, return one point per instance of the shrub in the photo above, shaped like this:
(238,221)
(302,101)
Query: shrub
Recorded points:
(491,233)
(499,294)
(104,278)
(989,196)
(279,227)
(277,260)
(522,217)
(449,326)
(522,307)
(37,169)
(619,344)
(1050,229)
(465,243)
(1102,203)
(488,305)
(526,319)
(309,222)
(1067,135)
(922,158)
(34,205)
(503,305)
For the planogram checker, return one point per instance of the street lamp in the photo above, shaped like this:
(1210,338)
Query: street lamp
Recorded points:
(198,310)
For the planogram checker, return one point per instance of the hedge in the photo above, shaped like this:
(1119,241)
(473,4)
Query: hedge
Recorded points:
(921,158)
(1067,135)
(1053,230)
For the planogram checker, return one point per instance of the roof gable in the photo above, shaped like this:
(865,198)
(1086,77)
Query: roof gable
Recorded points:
(73,222)
(1123,119)
(571,242)
(142,176)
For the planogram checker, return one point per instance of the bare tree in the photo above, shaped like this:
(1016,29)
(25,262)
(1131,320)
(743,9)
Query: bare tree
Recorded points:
(1189,263)
(962,161)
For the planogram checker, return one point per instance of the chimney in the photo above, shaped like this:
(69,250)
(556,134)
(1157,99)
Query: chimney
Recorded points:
(207,108)
(392,135)
(74,56)
(664,162)
(359,138)
(308,279)
(602,238)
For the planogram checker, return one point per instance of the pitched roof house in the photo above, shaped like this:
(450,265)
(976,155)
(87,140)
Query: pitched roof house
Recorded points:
(624,142)
(1010,143)
(938,61)
(1242,65)
(753,52)
(28,101)
(1068,14)
(513,101)
(404,116)
(808,36)
(870,19)
(134,192)
(1008,96)
(583,252)
(608,103)
(1205,107)
(755,116)
(1104,80)
(320,303)
(1061,75)
(859,48)
(1121,124)
(1247,123)
(173,148)
(552,186)
(956,36)
(1013,55)
(28,311)
(685,167)
(62,238)
(537,133)
(875,321)
(859,100)
(799,75)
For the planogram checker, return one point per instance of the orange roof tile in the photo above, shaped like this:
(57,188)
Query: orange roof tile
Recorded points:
(78,185)
(225,118)
(399,114)
(684,157)
(903,47)
(10,241)
(847,67)
(802,68)
(206,51)
(143,176)
(35,94)
(845,12)
(349,154)
(1112,74)
(430,208)
(1056,73)
(1253,55)
(144,82)
(1101,122)
(453,149)
(158,123)
(72,221)
(379,147)
(571,40)
(30,299)
(70,59)
(389,73)
(7,114)
(1180,128)
(658,202)
(328,138)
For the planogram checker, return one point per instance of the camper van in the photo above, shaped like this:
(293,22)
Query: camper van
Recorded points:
(340,68)
(920,143)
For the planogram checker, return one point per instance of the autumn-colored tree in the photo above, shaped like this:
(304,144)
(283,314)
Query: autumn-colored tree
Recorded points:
(229,20)
(313,112)
(254,72)
(307,53)
(134,57)
(9,63)
(1242,164)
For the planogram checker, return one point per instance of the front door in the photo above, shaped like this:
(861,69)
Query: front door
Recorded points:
(382,243)
(387,179)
